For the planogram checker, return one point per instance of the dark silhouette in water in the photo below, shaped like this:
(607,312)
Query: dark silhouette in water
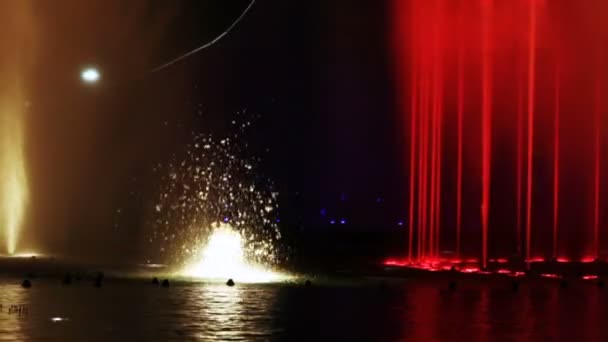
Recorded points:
(515,286)
(26,284)
(452,285)
(166,283)
(67,279)
(307,283)
(99,279)
(155,281)
(230,282)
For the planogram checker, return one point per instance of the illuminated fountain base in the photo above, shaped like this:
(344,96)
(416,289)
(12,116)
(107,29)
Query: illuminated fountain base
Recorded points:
(223,258)
(559,268)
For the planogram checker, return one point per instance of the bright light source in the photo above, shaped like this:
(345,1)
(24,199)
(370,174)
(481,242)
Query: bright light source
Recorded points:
(90,75)
(223,258)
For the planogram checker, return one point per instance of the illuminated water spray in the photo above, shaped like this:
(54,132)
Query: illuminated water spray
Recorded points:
(223,257)
(216,216)
(16,42)
(14,181)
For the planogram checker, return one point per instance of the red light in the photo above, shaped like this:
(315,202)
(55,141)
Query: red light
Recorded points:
(590,277)
(561,259)
(502,260)
(470,270)
(503,271)
(395,262)
(587,259)
(551,275)
(537,259)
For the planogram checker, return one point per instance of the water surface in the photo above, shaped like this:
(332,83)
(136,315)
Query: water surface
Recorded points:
(372,310)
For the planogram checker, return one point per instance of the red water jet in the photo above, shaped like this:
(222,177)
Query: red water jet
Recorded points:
(596,183)
(531,85)
(556,163)
(486,125)
(460,113)
(499,111)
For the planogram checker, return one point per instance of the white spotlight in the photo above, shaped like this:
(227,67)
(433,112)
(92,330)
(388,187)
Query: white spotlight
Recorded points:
(90,75)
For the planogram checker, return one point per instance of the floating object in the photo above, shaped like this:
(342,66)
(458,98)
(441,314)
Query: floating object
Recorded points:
(26,284)
(308,283)
(452,285)
(166,283)
(155,281)
(230,282)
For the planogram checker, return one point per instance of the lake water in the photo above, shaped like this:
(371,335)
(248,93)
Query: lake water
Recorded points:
(366,310)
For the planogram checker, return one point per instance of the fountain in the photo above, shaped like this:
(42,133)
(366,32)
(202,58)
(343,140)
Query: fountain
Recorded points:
(215,216)
(15,40)
(502,104)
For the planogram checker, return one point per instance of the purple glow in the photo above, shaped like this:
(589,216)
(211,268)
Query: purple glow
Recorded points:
(342,221)
(323,212)
(226,219)
(332,222)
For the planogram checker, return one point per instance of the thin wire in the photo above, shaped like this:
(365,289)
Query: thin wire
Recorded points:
(207,45)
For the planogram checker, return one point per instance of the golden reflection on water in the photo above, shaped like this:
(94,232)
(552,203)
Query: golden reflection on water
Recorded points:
(11,323)
(234,313)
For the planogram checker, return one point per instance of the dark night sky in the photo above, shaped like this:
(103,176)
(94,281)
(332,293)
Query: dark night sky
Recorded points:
(315,71)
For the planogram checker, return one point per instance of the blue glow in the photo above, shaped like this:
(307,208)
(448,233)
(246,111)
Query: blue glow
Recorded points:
(332,222)
(342,221)
(400,223)
(323,212)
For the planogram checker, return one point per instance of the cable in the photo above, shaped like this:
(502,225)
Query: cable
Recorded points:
(207,45)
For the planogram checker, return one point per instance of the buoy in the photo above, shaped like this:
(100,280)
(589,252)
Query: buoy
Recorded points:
(230,282)
(26,284)
(155,281)
(166,283)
